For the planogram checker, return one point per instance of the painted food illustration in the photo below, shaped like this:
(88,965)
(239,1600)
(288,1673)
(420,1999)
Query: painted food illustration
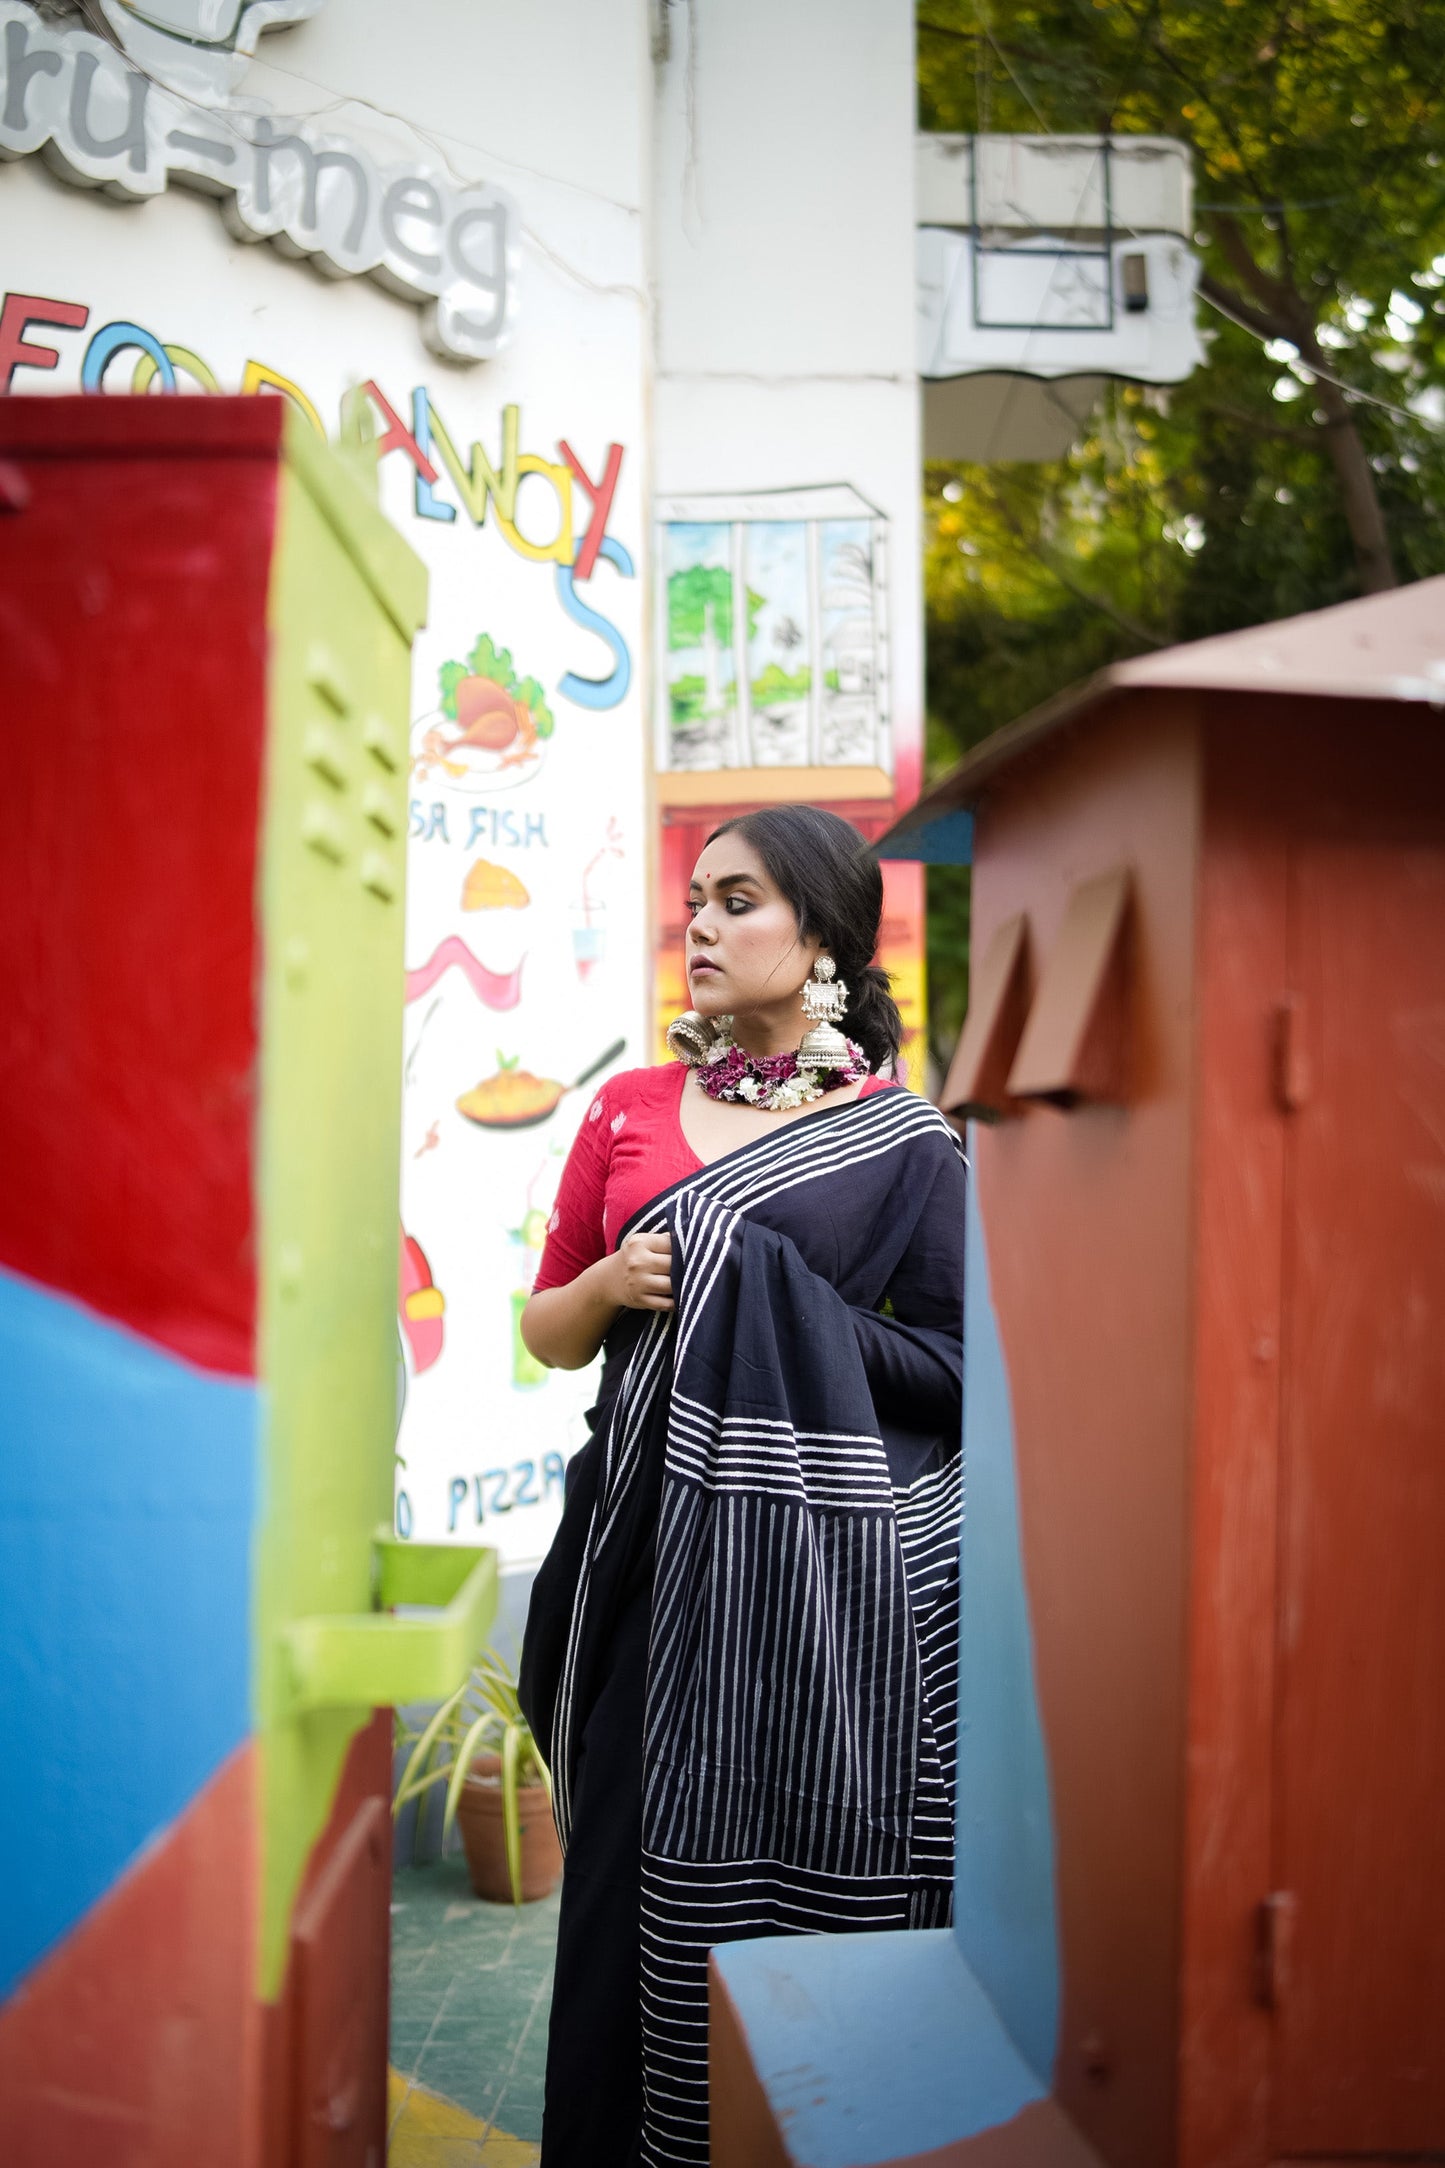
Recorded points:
(493,888)
(513,1098)
(489,727)
(422,1305)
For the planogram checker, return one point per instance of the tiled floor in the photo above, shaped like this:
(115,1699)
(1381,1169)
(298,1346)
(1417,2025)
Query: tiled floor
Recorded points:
(471,1988)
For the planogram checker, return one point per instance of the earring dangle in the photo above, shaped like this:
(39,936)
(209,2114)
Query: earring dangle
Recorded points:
(825,997)
(825,1003)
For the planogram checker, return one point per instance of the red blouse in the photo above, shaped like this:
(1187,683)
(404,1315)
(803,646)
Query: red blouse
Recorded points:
(629,1149)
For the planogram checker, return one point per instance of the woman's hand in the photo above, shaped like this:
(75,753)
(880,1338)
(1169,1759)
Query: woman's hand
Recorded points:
(565,1326)
(642,1272)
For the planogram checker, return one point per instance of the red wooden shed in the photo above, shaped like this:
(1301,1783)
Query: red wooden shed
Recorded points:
(1206,1051)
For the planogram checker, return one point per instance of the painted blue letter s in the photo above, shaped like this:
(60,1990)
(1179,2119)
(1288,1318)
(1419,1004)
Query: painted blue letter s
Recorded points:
(605,692)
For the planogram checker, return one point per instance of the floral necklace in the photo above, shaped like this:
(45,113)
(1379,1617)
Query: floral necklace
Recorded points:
(772,1082)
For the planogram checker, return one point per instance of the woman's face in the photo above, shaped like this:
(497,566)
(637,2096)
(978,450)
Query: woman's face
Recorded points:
(743,948)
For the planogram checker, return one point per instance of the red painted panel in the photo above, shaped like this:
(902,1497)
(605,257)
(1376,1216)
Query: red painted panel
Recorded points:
(341,1943)
(133,589)
(1088,1220)
(154,427)
(365,1783)
(1361,1674)
(1226,2037)
(135,2042)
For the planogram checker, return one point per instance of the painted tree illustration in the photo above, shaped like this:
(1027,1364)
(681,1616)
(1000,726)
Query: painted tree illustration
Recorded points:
(691,594)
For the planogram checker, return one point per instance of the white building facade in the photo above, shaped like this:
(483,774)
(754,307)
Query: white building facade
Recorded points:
(629,295)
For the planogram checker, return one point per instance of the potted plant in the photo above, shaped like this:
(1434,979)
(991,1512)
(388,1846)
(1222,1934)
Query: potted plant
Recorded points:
(479,1744)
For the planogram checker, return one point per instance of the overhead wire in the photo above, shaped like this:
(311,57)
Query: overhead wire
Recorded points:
(1015,387)
(1322,375)
(1312,373)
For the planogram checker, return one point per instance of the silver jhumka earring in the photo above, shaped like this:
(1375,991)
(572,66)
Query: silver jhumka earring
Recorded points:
(691,1038)
(825,1002)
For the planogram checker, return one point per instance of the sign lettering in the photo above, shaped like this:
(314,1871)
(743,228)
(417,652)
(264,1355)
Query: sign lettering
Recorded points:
(100,122)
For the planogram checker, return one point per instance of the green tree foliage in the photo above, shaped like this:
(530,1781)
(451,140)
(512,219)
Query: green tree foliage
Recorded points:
(1304,462)
(690,594)
(775,684)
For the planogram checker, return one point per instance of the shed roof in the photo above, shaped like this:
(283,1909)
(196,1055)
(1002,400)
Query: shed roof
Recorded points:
(1383,647)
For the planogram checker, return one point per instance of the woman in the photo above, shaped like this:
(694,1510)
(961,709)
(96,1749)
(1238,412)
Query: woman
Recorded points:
(739,1656)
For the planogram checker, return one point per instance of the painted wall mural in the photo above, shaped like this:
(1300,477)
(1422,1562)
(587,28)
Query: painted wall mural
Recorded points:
(526,937)
(775,638)
(773,683)
(541,900)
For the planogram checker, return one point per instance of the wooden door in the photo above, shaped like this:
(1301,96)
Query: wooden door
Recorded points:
(1360,1687)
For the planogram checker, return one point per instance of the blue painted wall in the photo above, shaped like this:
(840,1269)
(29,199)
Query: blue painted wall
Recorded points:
(946,840)
(127,1499)
(1004,1898)
(873,2048)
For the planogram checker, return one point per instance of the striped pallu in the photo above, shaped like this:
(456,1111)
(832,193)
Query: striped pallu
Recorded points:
(799,1739)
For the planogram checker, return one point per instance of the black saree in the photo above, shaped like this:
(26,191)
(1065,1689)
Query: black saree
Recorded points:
(740,1656)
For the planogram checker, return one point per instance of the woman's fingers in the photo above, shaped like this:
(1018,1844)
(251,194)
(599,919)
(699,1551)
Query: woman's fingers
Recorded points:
(648,1262)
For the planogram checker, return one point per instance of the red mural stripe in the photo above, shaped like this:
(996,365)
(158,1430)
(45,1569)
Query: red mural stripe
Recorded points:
(88,2063)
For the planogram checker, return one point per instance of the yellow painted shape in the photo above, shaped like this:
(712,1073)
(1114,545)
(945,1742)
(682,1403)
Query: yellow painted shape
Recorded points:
(480,481)
(179,357)
(770,786)
(425,2131)
(903,957)
(672,996)
(346,597)
(561,547)
(256,377)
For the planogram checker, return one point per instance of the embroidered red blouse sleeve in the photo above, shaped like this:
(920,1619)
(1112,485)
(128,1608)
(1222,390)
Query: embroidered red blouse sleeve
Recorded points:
(576,1235)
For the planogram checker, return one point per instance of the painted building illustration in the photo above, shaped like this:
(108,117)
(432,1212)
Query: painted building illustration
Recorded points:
(775,641)
(773,669)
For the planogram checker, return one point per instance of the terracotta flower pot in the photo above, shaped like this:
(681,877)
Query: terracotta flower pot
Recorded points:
(479,1817)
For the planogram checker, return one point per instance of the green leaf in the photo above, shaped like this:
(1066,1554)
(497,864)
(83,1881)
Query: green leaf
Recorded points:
(425,1743)
(450,677)
(421,1784)
(543,1772)
(484,1709)
(511,1808)
(488,661)
(530,691)
(467,1753)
